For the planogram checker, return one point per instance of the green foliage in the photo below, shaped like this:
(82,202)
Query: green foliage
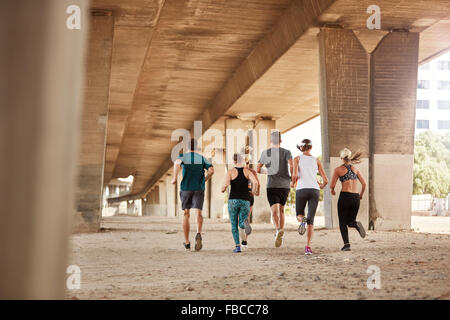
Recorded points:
(432,164)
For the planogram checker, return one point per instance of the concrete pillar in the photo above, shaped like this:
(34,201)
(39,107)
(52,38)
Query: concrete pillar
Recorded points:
(162,198)
(216,196)
(94,123)
(41,63)
(207,203)
(344,110)
(261,142)
(393,98)
(236,138)
(171,196)
(179,212)
(154,208)
(367,104)
(131,207)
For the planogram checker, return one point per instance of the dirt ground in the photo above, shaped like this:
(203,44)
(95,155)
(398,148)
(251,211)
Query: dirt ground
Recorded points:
(143,258)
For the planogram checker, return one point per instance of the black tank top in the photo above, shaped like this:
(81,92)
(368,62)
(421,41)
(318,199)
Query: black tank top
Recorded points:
(239,186)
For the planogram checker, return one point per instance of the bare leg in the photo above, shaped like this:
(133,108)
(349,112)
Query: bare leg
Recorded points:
(281,217)
(275,215)
(199,221)
(245,236)
(186,226)
(309,234)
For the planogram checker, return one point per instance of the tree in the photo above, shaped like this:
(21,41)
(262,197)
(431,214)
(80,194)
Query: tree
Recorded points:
(431,164)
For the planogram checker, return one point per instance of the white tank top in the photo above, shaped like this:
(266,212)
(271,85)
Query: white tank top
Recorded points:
(307,173)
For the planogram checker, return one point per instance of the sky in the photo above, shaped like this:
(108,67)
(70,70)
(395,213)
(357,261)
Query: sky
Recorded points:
(309,130)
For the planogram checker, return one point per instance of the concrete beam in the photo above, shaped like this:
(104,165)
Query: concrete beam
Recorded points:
(41,81)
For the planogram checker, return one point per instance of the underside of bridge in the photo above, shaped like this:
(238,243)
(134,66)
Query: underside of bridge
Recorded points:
(154,66)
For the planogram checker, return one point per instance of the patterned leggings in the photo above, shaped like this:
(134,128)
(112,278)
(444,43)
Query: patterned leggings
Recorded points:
(238,210)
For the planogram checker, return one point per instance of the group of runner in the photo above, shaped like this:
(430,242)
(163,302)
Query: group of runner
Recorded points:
(284,172)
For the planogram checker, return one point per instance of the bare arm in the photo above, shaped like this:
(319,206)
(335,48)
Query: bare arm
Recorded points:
(259,168)
(322,174)
(333,182)
(176,170)
(209,173)
(227,181)
(259,184)
(294,175)
(255,182)
(363,184)
(291,166)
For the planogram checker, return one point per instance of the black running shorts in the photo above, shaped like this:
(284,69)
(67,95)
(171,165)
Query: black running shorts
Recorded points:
(277,195)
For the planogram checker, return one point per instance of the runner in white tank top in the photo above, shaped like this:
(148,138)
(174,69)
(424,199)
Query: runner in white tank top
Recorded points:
(308,189)
(307,172)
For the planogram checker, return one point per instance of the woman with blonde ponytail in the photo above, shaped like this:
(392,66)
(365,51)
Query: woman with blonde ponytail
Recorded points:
(349,198)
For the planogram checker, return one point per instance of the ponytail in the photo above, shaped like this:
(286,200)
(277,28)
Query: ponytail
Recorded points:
(348,158)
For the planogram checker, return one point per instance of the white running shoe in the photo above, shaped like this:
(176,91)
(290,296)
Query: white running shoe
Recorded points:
(279,238)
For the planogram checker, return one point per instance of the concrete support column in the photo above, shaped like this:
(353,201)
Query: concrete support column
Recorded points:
(393,76)
(162,198)
(171,196)
(131,208)
(344,110)
(261,142)
(41,63)
(179,211)
(94,123)
(154,202)
(367,104)
(236,138)
(216,196)
(207,203)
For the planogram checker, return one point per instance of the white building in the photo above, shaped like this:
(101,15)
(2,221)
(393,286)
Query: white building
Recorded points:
(433,96)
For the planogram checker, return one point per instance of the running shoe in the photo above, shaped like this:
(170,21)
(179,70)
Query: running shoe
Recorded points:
(308,250)
(302,227)
(361,230)
(187,246)
(346,247)
(279,238)
(247,227)
(237,249)
(198,242)
(244,244)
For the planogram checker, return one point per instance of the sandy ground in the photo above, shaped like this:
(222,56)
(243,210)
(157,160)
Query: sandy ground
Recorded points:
(143,258)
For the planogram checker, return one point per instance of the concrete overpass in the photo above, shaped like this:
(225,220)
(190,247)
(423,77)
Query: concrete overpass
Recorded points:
(273,61)
(152,66)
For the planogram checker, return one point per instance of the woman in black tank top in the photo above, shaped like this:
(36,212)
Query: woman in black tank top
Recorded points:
(239,186)
(239,199)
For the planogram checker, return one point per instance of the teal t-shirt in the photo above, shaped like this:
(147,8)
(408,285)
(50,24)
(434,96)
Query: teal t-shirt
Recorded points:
(194,166)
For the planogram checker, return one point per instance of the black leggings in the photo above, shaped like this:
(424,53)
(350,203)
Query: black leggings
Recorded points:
(310,196)
(348,206)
